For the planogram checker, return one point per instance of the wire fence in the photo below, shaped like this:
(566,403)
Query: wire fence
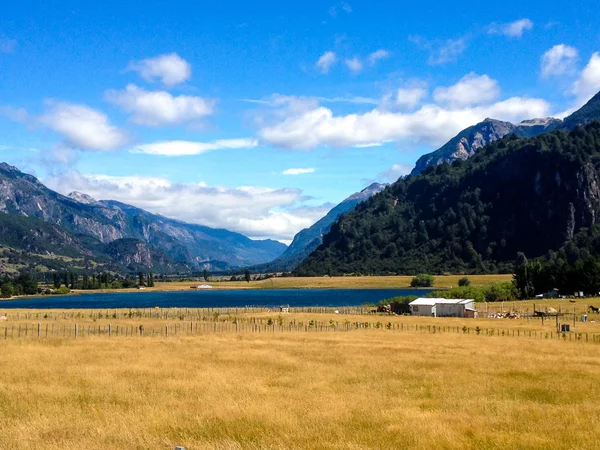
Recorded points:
(252,325)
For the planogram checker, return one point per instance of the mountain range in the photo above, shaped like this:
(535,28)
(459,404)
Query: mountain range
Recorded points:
(473,138)
(41,227)
(110,232)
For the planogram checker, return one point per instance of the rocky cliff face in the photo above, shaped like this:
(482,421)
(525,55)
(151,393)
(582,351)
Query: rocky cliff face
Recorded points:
(24,195)
(131,252)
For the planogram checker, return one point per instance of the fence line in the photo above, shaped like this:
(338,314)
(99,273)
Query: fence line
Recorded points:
(179,313)
(195,328)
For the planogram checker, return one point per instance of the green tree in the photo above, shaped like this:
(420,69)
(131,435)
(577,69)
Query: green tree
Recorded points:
(247,275)
(422,280)
(464,282)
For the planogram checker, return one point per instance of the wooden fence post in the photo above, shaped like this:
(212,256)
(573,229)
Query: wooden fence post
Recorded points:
(76,331)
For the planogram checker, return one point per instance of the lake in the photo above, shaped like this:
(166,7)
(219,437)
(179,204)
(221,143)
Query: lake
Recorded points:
(215,299)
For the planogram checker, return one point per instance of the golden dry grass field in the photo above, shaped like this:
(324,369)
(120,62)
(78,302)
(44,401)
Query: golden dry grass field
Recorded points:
(371,389)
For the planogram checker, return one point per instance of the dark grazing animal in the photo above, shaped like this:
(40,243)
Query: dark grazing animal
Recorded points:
(594,309)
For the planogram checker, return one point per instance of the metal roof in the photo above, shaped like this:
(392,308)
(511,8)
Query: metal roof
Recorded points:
(439,301)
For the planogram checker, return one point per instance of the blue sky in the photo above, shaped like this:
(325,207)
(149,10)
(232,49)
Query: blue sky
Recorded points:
(259,116)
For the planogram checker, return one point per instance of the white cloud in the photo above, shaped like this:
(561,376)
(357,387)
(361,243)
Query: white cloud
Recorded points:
(160,108)
(354,64)
(559,60)
(326,62)
(298,171)
(409,97)
(512,29)
(378,55)
(171,69)
(393,173)
(431,124)
(83,127)
(187,148)
(588,83)
(258,212)
(472,89)
(441,52)
(7,45)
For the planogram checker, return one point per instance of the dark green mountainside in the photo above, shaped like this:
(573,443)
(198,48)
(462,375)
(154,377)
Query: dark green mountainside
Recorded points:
(514,195)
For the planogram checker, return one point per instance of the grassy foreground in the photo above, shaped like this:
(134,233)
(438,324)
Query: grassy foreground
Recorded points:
(356,390)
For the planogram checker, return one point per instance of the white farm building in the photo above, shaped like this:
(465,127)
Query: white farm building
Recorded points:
(443,307)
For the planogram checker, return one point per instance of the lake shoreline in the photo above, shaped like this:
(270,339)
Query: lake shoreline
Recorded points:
(212,299)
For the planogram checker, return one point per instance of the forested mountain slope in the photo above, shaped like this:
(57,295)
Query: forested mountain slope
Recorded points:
(514,195)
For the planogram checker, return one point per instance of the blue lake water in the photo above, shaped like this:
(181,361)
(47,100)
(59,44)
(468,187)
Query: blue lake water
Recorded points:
(215,299)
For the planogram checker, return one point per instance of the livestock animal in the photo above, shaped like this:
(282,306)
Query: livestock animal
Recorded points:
(594,309)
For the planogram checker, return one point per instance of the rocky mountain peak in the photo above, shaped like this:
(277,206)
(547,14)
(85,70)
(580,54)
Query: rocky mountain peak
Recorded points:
(367,192)
(8,168)
(82,198)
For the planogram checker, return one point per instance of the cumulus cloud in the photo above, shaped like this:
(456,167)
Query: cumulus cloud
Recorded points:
(559,60)
(472,89)
(393,173)
(171,69)
(512,29)
(160,108)
(298,171)
(188,148)
(441,52)
(83,127)
(378,55)
(258,212)
(354,64)
(430,124)
(588,82)
(405,98)
(326,62)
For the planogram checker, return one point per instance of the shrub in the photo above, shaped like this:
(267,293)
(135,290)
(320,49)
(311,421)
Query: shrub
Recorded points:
(61,291)
(495,293)
(422,280)
(463,282)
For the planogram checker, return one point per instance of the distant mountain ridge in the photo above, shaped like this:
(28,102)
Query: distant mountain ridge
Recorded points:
(475,137)
(310,238)
(103,222)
